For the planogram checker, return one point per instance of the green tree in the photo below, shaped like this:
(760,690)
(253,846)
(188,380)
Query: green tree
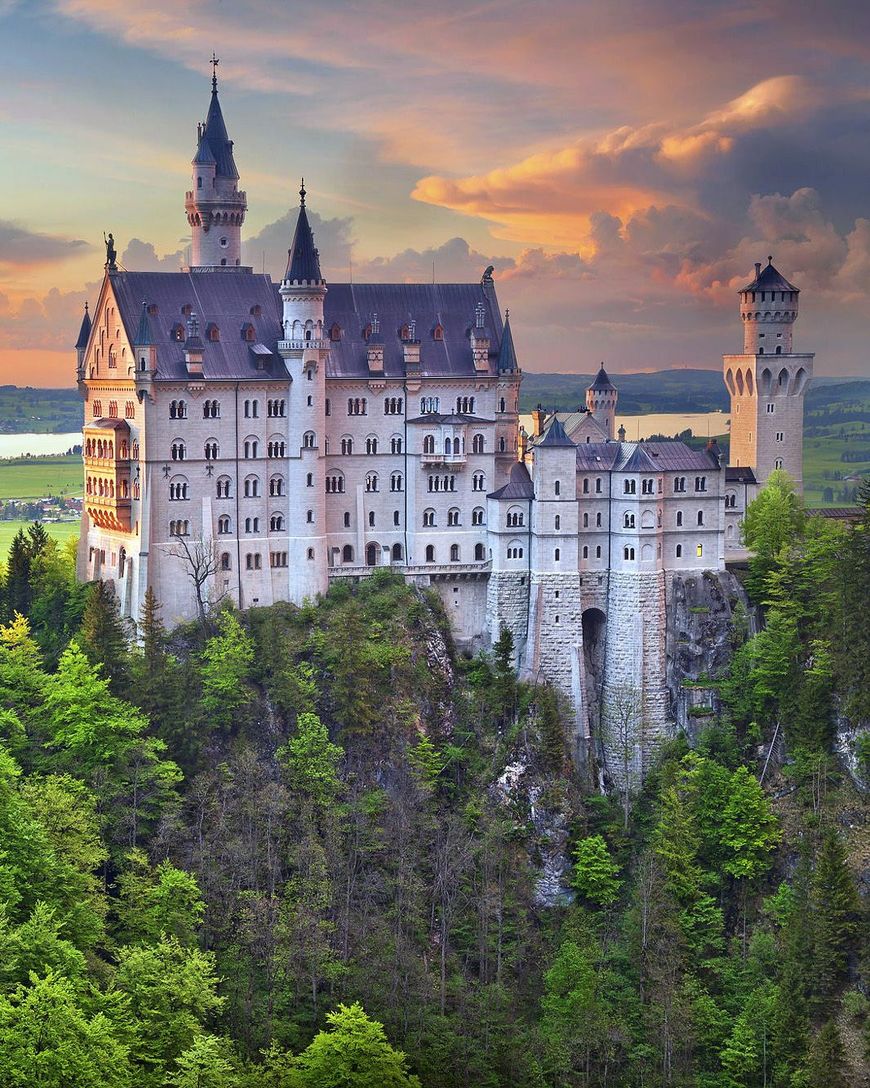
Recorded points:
(551,730)
(748,829)
(18,593)
(836,913)
(171,993)
(49,1039)
(595,873)
(224,670)
(311,762)
(102,638)
(826,1062)
(354,1053)
(157,902)
(772,522)
(505,680)
(207,1063)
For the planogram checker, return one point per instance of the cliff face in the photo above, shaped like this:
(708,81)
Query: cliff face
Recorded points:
(708,614)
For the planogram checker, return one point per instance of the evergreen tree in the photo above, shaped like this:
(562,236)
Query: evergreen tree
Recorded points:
(18,576)
(224,669)
(835,908)
(102,636)
(551,729)
(505,683)
(772,522)
(595,873)
(826,1062)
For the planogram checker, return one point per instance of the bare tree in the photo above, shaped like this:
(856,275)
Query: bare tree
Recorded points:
(199,558)
(623,712)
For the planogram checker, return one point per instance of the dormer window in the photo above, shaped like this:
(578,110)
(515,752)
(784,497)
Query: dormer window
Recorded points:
(187,309)
(213,333)
(178,333)
(438,332)
(335,332)
(248,333)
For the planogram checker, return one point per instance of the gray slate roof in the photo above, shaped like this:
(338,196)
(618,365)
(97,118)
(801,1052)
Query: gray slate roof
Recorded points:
(602,381)
(643,457)
(303,260)
(519,486)
(219,143)
(85,330)
(769,279)
(741,475)
(449,417)
(554,436)
(228,300)
(507,356)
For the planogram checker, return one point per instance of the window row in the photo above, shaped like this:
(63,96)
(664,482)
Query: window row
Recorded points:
(103,449)
(98,487)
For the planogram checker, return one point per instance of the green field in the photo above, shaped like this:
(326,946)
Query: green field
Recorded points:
(37,477)
(60,530)
(822,454)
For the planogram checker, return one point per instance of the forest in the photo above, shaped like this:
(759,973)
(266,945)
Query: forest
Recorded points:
(302,846)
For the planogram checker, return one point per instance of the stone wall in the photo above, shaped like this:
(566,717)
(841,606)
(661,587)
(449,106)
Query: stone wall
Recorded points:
(507,605)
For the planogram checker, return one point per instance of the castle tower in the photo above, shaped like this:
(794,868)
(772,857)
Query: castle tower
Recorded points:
(215,207)
(82,344)
(305,352)
(768,381)
(601,399)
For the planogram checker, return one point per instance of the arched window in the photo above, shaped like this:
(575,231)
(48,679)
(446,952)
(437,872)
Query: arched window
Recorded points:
(628,521)
(628,553)
(347,553)
(347,445)
(211,409)
(700,517)
(478,482)
(678,551)
(177,409)
(212,450)
(223,487)
(479,553)
(224,524)
(453,516)
(477,444)
(557,487)
(372,554)
(428,518)
(515,550)
(276,485)
(454,553)
(429,443)
(585,521)
(309,441)
(335,484)
(700,483)
(396,481)
(699,551)
(178,450)
(396,444)
(515,517)
(430,553)
(371,444)
(371,481)
(252,487)
(557,554)
(478,516)
(629,487)
(225,560)
(178,488)
(397,553)
(276,523)
(251,448)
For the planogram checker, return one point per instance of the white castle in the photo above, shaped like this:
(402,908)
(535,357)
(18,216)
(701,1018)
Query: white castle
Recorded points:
(252,441)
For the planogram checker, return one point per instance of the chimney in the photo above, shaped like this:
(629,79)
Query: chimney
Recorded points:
(757,269)
(538,417)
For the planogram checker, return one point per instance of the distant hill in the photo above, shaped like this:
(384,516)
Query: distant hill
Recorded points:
(829,401)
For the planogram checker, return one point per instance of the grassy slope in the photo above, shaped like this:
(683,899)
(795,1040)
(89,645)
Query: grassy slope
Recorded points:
(35,478)
(60,530)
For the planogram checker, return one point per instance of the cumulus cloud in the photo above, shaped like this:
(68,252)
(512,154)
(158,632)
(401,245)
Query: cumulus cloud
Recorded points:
(25,248)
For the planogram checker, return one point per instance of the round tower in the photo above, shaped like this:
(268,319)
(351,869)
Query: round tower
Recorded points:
(215,207)
(305,353)
(768,310)
(601,397)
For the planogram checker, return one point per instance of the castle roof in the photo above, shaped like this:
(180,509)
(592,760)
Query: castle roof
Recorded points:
(215,135)
(643,457)
(519,485)
(769,279)
(303,260)
(554,435)
(85,330)
(507,356)
(451,417)
(602,382)
(739,474)
(230,302)
(145,334)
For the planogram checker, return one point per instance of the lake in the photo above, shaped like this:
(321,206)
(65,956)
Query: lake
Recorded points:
(19,445)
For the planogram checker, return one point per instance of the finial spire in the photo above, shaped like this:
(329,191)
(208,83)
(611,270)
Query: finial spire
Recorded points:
(302,193)
(769,259)
(215,61)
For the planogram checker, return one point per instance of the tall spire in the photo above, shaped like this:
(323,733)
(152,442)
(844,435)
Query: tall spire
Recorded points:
(303,260)
(214,134)
(507,356)
(84,331)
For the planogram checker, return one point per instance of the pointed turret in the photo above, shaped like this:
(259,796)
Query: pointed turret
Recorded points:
(84,331)
(602,381)
(145,347)
(303,260)
(215,207)
(554,435)
(601,398)
(507,356)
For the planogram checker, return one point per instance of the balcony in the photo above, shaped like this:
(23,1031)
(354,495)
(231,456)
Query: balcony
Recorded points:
(443,458)
(300,345)
(109,512)
(413,570)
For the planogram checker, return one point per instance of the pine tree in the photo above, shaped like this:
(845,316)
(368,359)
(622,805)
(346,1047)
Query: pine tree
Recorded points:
(835,908)
(102,637)
(551,730)
(826,1061)
(595,872)
(18,577)
(152,632)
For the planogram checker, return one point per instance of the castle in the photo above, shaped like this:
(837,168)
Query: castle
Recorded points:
(252,442)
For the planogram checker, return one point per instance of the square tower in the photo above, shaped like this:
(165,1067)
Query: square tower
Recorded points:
(768,381)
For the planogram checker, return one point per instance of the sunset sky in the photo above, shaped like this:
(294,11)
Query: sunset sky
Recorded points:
(622,164)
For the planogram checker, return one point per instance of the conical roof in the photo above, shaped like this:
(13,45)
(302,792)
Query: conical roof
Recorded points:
(769,279)
(85,330)
(507,356)
(602,381)
(145,333)
(519,485)
(214,134)
(555,435)
(303,260)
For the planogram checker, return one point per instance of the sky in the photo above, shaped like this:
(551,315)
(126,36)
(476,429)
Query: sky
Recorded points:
(621,164)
